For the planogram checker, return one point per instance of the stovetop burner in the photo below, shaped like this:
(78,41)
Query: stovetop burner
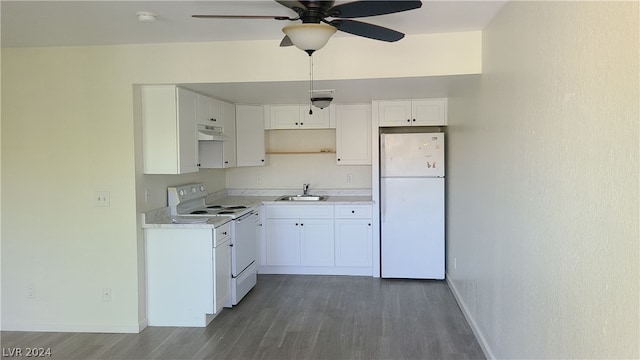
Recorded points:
(198,212)
(226,212)
(235,207)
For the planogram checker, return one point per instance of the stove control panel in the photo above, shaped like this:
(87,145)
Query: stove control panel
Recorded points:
(182,193)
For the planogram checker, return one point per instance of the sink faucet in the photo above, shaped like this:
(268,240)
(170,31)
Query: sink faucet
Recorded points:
(305,189)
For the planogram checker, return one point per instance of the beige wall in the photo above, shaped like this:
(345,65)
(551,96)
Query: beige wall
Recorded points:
(68,130)
(543,183)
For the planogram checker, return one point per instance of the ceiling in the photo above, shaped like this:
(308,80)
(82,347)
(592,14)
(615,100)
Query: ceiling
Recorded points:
(90,22)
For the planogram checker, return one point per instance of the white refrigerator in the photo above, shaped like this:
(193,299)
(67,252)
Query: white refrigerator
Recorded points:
(412,205)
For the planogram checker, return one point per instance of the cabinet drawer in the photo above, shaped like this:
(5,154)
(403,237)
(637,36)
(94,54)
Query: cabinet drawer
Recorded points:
(223,232)
(299,211)
(354,211)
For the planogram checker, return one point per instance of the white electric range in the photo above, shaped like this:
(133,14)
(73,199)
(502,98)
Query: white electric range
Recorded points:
(190,200)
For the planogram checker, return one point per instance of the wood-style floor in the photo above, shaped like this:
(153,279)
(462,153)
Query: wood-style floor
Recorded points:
(296,317)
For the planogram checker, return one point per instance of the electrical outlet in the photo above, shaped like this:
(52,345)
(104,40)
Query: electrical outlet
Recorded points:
(106,294)
(349,178)
(31,291)
(102,198)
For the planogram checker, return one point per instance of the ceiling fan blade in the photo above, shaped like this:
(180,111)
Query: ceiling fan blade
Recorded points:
(291,4)
(367,30)
(286,41)
(242,17)
(366,8)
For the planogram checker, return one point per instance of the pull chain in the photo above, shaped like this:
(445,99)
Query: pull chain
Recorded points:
(310,82)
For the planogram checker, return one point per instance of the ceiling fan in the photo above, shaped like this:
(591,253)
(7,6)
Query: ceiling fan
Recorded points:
(314,15)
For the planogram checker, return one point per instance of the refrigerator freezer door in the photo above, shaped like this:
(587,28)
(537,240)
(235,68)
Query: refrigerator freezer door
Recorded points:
(412,211)
(412,154)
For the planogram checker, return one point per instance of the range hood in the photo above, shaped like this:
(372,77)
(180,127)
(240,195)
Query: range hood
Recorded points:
(211,133)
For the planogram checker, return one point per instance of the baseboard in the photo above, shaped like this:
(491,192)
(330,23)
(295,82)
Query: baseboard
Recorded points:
(315,270)
(121,328)
(142,324)
(472,323)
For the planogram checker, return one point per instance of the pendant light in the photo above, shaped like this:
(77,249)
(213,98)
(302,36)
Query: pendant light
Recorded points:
(318,98)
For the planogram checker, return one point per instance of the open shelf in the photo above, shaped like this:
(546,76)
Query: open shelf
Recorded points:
(299,152)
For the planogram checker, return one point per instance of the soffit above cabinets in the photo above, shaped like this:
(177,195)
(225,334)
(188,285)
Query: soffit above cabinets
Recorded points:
(346,91)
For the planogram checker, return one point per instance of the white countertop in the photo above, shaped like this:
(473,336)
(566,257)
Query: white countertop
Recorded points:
(161,218)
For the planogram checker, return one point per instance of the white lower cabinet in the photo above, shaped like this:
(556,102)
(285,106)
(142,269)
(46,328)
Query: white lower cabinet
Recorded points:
(283,242)
(222,274)
(353,242)
(317,239)
(188,275)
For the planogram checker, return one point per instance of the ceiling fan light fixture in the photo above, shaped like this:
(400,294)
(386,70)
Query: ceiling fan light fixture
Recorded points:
(309,37)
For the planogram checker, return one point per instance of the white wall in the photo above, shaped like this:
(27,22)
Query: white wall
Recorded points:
(69,129)
(543,183)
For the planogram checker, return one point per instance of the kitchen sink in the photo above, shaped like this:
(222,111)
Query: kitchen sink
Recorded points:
(302,198)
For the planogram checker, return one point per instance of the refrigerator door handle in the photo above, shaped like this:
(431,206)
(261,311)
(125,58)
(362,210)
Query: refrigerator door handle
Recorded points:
(383,203)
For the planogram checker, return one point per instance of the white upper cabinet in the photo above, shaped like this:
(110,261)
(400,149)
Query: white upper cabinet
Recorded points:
(298,117)
(221,154)
(284,116)
(353,134)
(229,126)
(209,111)
(170,144)
(318,119)
(250,135)
(425,112)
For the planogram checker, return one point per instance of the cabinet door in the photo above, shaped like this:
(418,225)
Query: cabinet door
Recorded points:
(353,242)
(319,119)
(187,132)
(209,111)
(283,242)
(316,239)
(394,113)
(249,135)
(229,125)
(222,276)
(285,116)
(429,112)
(353,134)
(170,144)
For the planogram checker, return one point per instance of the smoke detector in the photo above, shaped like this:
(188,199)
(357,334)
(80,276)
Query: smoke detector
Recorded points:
(146,16)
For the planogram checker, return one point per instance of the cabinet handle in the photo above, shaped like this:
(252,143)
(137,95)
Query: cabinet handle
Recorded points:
(408,120)
(296,224)
(226,162)
(301,224)
(224,233)
(369,224)
(198,165)
(414,120)
(301,124)
(262,160)
(338,159)
(353,211)
(230,245)
(296,123)
(212,119)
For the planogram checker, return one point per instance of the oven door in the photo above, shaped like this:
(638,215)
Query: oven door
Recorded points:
(244,250)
